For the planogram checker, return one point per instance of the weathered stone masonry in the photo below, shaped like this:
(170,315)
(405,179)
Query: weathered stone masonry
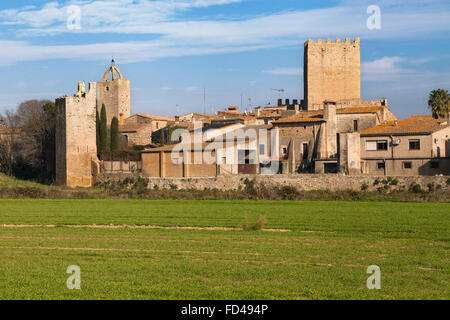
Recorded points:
(76,147)
(302,182)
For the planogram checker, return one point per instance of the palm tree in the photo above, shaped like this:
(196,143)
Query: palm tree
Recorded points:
(439,103)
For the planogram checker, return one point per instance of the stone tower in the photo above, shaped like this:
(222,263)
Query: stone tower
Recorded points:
(114,94)
(331,71)
(76,147)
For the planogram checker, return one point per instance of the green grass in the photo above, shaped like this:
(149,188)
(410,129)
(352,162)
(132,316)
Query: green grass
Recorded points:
(6,181)
(325,256)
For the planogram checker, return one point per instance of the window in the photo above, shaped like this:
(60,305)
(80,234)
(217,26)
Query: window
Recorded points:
(246,156)
(284,150)
(382,145)
(414,144)
(371,146)
(262,149)
(379,145)
(355,125)
(380,165)
(434,164)
(407,165)
(305,151)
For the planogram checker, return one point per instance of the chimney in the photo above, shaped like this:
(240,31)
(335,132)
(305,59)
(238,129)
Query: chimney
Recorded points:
(329,114)
(257,111)
(280,102)
(287,102)
(177,118)
(81,87)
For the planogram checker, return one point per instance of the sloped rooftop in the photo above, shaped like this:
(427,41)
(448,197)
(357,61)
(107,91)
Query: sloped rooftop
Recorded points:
(417,124)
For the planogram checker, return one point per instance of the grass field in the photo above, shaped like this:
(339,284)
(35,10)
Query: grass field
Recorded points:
(324,255)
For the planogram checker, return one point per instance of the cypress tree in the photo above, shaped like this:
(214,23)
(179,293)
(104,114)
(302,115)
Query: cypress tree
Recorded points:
(114,134)
(103,130)
(97,129)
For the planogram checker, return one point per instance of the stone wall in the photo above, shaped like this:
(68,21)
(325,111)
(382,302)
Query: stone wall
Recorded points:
(76,148)
(115,95)
(307,182)
(331,71)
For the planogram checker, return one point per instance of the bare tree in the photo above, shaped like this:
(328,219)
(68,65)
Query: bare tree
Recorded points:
(9,141)
(28,150)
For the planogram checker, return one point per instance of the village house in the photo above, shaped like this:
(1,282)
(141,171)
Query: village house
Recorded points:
(232,149)
(138,129)
(309,139)
(418,145)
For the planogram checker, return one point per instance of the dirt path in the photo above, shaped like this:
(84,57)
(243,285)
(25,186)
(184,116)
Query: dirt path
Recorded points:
(94,226)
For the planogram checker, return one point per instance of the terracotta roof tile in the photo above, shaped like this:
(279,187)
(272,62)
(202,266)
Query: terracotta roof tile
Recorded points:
(161,118)
(362,109)
(419,124)
(299,118)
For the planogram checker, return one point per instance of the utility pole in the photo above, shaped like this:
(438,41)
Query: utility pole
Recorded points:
(204,100)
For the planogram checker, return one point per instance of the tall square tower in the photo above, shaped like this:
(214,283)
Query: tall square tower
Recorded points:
(76,146)
(332,71)
(114,93)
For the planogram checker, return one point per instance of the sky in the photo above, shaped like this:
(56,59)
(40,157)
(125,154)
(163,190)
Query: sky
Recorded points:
(240,52)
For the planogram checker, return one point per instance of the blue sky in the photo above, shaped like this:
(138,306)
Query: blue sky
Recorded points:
(171,50)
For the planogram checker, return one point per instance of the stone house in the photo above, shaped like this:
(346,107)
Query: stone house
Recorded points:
(138,129)
(309,140)
(418,145)
(236,149)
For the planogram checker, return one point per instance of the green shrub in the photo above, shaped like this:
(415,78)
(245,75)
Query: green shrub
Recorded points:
(448,182)
(394,182)
(365,187)
(138,148)
(254,226)
(431,187)
(416,188)
(376,182)
(249,188)
(173,186)
(288,193)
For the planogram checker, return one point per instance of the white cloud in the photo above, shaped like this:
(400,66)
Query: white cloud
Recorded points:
(385,69)
(193,89)
(285,71)
(20,84)
(171,34)
(165,89)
